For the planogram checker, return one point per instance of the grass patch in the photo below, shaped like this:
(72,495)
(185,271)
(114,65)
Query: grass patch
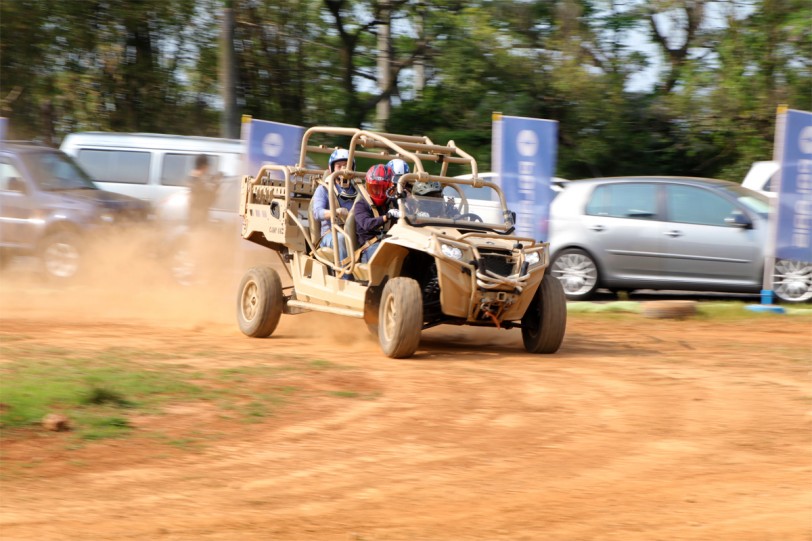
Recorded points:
(102,393)
(321,364)
(737,310)
(583,307)
(355,394)
(94,391)
(706,310)
(95,427)
(345,394)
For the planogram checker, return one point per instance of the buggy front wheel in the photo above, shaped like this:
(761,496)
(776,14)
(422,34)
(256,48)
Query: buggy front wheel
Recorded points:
(400,317)
(545,320)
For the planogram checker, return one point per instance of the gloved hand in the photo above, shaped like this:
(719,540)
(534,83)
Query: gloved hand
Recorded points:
(342,213)
(393,214)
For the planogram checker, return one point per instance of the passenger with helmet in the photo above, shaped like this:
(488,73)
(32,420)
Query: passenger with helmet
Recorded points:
(398,167)
(346,193)
(372,217)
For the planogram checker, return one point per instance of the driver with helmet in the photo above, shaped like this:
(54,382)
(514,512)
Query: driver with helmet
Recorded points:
(345,190)
(370,219)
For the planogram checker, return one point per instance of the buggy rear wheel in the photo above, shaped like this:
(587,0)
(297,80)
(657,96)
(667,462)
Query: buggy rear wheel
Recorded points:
(400,317)
(545,320)
(260,300)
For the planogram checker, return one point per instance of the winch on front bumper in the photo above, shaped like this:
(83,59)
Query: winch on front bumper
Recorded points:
(501,270)
(487,285)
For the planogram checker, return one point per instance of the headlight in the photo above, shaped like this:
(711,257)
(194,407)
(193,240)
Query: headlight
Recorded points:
(451,251)
(532,258)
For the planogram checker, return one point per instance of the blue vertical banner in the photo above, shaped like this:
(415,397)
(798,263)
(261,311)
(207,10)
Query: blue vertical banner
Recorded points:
(524,153)
(3,128)
(794,216)
(270,143)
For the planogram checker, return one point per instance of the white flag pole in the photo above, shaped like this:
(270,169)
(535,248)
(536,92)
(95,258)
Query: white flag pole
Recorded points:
(496,146)
(769,253)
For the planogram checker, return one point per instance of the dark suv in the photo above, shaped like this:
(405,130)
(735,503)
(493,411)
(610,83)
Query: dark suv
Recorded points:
(49,207)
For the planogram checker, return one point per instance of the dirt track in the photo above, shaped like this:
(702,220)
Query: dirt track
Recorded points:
(638,430)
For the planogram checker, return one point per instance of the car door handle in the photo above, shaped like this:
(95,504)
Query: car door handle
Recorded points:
(597,228)
(674,233)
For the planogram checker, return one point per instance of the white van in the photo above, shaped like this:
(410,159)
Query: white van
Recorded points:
(151,166)
(760,177)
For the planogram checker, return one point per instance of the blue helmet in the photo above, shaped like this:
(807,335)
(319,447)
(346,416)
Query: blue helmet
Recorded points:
(340,155)
(344,185)
(398,167)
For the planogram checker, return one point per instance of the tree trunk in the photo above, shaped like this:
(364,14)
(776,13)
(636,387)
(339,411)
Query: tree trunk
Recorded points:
(384,65)
(229,126)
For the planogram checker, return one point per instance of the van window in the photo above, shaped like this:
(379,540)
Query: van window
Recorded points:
(175,167)
(124,166)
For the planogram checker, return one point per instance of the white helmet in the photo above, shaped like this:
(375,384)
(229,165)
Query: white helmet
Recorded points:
(398,167)
(425,188)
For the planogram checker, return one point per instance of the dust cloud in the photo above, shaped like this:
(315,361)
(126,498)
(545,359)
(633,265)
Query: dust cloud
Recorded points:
(137,275)
(143,277)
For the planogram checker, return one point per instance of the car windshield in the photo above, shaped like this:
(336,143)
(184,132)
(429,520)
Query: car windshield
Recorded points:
(53,171)
(755,201)
(457,205)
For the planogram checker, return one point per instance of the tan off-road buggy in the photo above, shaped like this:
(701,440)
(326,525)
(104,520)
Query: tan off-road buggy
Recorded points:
(432,267)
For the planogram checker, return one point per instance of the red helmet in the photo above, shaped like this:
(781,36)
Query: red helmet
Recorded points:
(379,180)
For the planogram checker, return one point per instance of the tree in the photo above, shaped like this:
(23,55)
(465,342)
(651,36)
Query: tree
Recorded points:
(80,64)
(153,66)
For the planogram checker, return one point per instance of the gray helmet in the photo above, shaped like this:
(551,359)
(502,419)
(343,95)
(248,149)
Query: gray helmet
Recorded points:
(425,188)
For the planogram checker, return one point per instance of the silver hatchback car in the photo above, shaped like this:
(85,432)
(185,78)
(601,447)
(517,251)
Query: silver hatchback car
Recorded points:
(666,233)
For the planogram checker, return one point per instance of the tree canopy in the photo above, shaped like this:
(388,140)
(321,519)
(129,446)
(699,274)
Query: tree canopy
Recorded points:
(715,72)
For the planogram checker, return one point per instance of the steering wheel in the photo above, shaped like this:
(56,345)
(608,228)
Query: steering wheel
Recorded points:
(471,217)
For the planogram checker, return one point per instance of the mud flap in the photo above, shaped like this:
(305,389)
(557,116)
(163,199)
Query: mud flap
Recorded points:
(372,302)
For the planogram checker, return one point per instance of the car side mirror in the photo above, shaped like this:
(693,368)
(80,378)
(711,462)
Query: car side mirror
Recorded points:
(739,219)
(16,184)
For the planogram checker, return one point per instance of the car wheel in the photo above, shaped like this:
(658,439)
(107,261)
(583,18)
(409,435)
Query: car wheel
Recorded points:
(60,253)
(545,321)
(792,280)
(260,301)
(577,272)
(400,317)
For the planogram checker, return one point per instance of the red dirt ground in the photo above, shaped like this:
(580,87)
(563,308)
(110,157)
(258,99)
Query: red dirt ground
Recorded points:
(637,430)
